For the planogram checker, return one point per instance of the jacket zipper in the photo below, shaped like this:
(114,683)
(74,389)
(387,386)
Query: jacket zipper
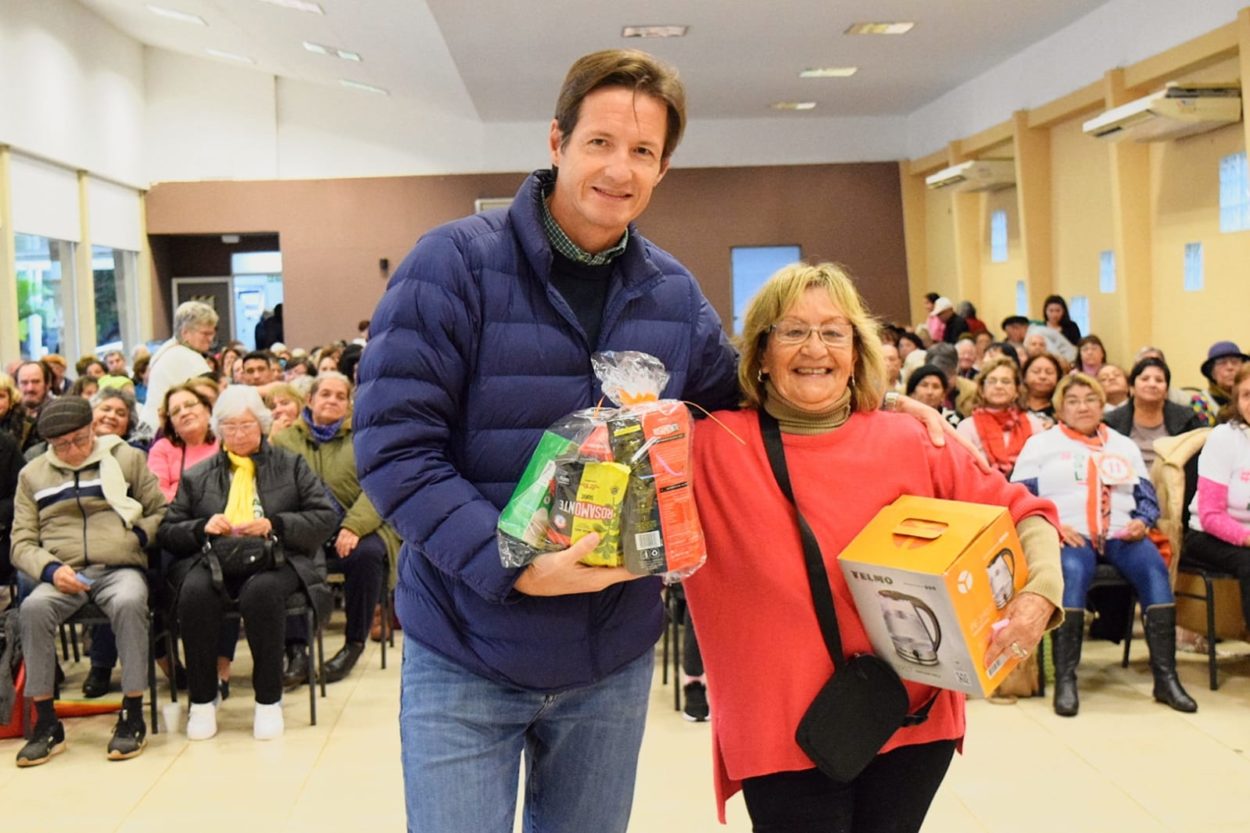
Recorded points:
(78,499)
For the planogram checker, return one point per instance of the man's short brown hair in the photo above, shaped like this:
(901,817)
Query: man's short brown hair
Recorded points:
(628,68)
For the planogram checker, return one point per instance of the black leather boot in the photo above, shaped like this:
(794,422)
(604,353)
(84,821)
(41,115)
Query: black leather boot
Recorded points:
(1067,640)
(341,664)
(1160,622)
(296,667)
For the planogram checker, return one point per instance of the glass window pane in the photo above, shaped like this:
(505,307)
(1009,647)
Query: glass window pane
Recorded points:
(1022,298)
(1234,193)
(256,263)
(1078,311)
(998,237)
(1106,272)
(45,294)
(1194,277)
(752,266)
(116,299)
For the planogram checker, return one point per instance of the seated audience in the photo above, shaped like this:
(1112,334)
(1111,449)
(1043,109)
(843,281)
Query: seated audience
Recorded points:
(999,427)
(1148,415)
(251,489)
(1035,344)
(893,367)
(932,323)
(362,543)
(12,415)
(953,324)
(1015,328)
(10,464)
(1041,376)
(1114,383)
(909,343)
(927,385)
(286,403)
(1091,355)
(1224,359)
(966,353)
(1105,512)
(84,513)
(968,313)
(959,391)
(1219,516)
(1057,320)
(1004,349)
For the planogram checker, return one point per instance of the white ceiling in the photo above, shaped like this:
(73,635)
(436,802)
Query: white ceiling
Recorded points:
(503,60)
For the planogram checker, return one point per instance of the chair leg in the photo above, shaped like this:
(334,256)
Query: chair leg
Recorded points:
(312,684)
(1211,670)
(321,659)
(171,651)
(64,645)
(1128,631)
(677,661)
(1041,667)
(152,669)
(73,641)
(386,612)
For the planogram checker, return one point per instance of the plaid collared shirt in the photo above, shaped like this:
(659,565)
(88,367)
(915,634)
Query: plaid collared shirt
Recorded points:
(562,244)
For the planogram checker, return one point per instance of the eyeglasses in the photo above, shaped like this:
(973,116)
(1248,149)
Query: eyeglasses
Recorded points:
(797,332)
(81,441)
(235,429)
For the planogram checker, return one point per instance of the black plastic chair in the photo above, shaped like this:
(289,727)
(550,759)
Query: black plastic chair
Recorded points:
(675,609)
(336,578)
(1209,576)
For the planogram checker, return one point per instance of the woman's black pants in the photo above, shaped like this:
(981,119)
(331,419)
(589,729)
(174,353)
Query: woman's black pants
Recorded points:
(891,795)
(262,601)
(1208,551)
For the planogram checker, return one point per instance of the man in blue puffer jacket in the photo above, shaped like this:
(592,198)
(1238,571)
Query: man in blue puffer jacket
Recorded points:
(482,340)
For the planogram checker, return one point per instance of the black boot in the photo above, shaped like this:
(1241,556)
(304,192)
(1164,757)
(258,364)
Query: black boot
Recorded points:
(296,666)
(1067,639)
(98,682)
(341,664)
(1160,622)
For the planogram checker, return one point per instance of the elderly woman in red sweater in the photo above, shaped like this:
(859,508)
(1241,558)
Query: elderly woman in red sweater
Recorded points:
(811,359)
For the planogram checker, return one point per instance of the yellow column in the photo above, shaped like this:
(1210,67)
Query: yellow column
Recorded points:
(966,215)
(84,280)
(10,344)
(1033,178)
(1243,58)
(914,237)
(1131,233)
(144,273)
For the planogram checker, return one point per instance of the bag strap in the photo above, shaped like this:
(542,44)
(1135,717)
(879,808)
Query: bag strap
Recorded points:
(817,576)
(214,567)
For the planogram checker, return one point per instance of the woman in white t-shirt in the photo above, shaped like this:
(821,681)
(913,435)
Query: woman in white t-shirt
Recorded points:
(1219,517)
(1098,482)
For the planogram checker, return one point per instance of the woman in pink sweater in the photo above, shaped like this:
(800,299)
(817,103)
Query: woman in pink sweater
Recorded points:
(186,439)
(1219,517)
(811,358)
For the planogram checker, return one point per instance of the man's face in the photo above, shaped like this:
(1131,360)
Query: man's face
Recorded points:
(1015,333)
(116,364)
(256,372)
(608,166)
(32,386)
(1224,371)
(75,447)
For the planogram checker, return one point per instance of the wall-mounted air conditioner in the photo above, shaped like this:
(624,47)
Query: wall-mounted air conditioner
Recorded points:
(976,175)
(1176,110)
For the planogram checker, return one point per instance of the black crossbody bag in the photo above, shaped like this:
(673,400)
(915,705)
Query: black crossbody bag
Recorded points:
(864,703)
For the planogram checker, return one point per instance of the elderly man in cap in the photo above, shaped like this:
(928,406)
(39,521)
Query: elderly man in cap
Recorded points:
(1015,328)
(954,323)
(1224,359)
(83,515)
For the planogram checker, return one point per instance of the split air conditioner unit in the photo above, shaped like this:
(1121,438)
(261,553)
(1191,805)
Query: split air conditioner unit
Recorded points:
(1175,111)
(976,175)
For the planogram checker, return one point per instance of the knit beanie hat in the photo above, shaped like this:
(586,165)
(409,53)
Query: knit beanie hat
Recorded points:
(921,373)
(63,415)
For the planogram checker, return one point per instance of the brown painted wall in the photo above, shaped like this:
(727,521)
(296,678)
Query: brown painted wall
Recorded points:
(334,232)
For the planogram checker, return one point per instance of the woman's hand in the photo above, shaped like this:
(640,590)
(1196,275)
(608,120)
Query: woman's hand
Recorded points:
(1027,616)
(1135,531)
(218,525)
(939,429)
(1070,537)
(345,543)
(259,528)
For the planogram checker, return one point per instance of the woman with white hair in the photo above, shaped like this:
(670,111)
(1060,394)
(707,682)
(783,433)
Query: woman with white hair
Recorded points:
(182,357)
(250,489)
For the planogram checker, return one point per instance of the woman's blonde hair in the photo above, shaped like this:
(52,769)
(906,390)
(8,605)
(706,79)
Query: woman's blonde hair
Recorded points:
(781,292)
(7,385)
(989,367)
(1077,379)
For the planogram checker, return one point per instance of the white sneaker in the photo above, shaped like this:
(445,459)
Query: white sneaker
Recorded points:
(268,723)
(201,721)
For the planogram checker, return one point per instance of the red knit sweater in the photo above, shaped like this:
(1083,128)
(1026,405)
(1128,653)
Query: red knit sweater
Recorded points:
(751,601)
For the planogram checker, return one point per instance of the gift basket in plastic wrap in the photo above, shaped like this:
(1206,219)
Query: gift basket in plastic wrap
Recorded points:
(622,472)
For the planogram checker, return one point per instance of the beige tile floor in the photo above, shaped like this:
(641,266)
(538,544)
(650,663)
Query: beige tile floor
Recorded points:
(1125,763)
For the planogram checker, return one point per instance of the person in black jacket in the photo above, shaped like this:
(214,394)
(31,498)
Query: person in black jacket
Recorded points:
(10,464)
(249,489)
(955,323)
(1148,414)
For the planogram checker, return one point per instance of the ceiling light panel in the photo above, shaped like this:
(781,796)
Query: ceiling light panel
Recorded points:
(666,31)
(230,56)
(828,72)
(900,27)
(333,51)
(174,14)
(297,5)
(367,88)
(794,105)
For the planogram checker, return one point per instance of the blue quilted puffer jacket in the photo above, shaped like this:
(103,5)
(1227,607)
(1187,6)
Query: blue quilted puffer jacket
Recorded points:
(472,354)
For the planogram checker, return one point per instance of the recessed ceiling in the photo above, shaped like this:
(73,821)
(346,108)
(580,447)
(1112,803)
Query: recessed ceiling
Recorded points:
(503,60)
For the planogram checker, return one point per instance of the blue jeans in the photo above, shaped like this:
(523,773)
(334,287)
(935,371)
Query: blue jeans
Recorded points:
(1138,561)
(463,737)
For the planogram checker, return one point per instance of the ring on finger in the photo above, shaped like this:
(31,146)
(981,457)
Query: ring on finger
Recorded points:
(1016,649)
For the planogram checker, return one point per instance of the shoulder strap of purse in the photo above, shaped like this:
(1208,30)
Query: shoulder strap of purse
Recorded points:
(817,578)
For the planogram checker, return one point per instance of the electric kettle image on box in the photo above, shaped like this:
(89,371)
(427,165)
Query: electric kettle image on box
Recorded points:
(1002,570)
(915,639)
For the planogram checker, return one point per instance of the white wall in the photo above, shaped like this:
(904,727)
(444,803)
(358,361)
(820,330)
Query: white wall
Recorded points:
(71,88)
(1118,34)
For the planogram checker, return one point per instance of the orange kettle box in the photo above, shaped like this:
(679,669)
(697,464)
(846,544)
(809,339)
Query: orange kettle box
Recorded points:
(930,579)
